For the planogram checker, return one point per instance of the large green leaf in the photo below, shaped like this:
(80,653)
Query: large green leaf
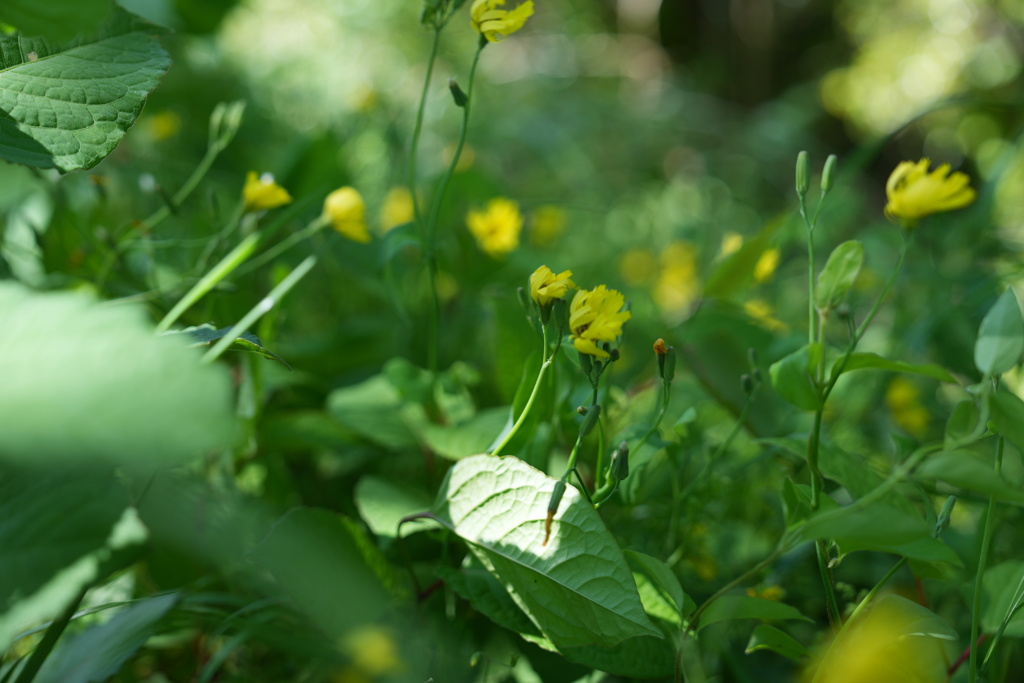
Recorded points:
(100,652)
(60,532)
(66,104)
(967,471)
(793,377)
(85,383)
(1000,337)
(1006,417)
(578,588)
(729,607)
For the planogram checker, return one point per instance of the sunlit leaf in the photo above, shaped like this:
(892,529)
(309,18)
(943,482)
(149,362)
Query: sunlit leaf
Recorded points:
(1000,337)
(577,589)
(66,104)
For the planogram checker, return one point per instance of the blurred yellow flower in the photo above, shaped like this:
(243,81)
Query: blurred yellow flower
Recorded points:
(772,592)
(595,316)
(164,124)
(497,228)
(731,243)
(638,266)
(261,193)
(346,211)
(914,193)
(497,24)
(766,265)
(761,311)
(546,286)
(903,399)
(547,225)
(678,283)
(373,650)
(397,209)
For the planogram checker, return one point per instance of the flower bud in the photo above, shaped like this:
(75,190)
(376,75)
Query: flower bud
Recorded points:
(828,175)
(802,174)
(582,410)
(556,498)
(747,382)
(943,520)
(614,355)
(619,468)
(592,416)
(586,363)
(457,94)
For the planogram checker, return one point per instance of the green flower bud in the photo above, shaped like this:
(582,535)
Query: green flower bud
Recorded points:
(802,174)
(592,416)
(619,468)
(828,175)
(943,521)
(556,498)
(457,94)
(747,382)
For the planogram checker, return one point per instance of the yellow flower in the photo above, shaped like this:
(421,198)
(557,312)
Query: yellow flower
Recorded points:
(373,650)
(731,243)
(497,24)
(548,223)
(596,316)
(262,193)
(766,265)
(497,228)
(903,399)
(545,286)
(346,211)
(914,193)
(397,209)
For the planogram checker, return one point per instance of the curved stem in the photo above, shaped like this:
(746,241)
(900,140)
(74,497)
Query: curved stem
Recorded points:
(986,542)
(418,128)
(533,394)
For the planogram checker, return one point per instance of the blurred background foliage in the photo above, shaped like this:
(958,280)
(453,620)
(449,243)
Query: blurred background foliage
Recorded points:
(646,142)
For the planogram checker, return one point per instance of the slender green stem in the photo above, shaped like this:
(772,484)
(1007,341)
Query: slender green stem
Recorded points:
(49,640)
(315,226)
(986,542)
(810,268)
(418,128)
(229,263)
(435,213)
(533,394)
(263,307)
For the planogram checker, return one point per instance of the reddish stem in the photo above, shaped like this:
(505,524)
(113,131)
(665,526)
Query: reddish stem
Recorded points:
(965,655)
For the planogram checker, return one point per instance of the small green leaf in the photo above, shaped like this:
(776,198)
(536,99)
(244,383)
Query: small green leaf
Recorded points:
(838,275)
(865,361)
(962,422)
(967,471)
(373,409)
(383,504)
(793,377)
(469,438)
(1002,591)
(66,105)
(101,651)
(767,637)
(659,588)
(1001,337)
(577,588)
(732,607)
(206,334)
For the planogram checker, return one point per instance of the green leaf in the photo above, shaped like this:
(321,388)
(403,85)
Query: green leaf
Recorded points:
(101,651)
(577,589)
(967,471)
(62,531)
(793,377)
(206,334)
(469,438)
(475,584)
(55,19)
(838,275)
(373,409)
(864,361)
(878,527)
(659,589)
(383,504)
(318,559)
(962,422)
(642,657)
(1002,589)
(732,607)
(1006,417)
(767,637)
(66,105)
(118,393)
(1001,337)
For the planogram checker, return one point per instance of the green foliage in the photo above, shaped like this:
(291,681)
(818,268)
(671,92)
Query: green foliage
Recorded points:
(793,377)
(838,275)
(68,102)
(1001,337)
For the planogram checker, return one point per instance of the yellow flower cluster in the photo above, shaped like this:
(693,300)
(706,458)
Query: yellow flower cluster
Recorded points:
(546,286)
(914,192)
(497,24)
(596,315)
(496,228)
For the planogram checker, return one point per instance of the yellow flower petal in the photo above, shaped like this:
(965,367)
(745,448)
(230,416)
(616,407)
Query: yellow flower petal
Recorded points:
(546,286)
(346,211)
(498,24)
(596,316)
(261,193)
(914,193)
(497,228)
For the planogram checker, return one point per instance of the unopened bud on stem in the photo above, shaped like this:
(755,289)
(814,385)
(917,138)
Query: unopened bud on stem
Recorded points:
(802,174)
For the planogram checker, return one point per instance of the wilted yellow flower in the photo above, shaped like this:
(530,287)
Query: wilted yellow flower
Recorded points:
(766,265)
(262,193)
(903,399)
(397,209)
(546,286)
(595,316)
(497,24)
(548,223)
(497,228)
(346,211)
(914,193)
